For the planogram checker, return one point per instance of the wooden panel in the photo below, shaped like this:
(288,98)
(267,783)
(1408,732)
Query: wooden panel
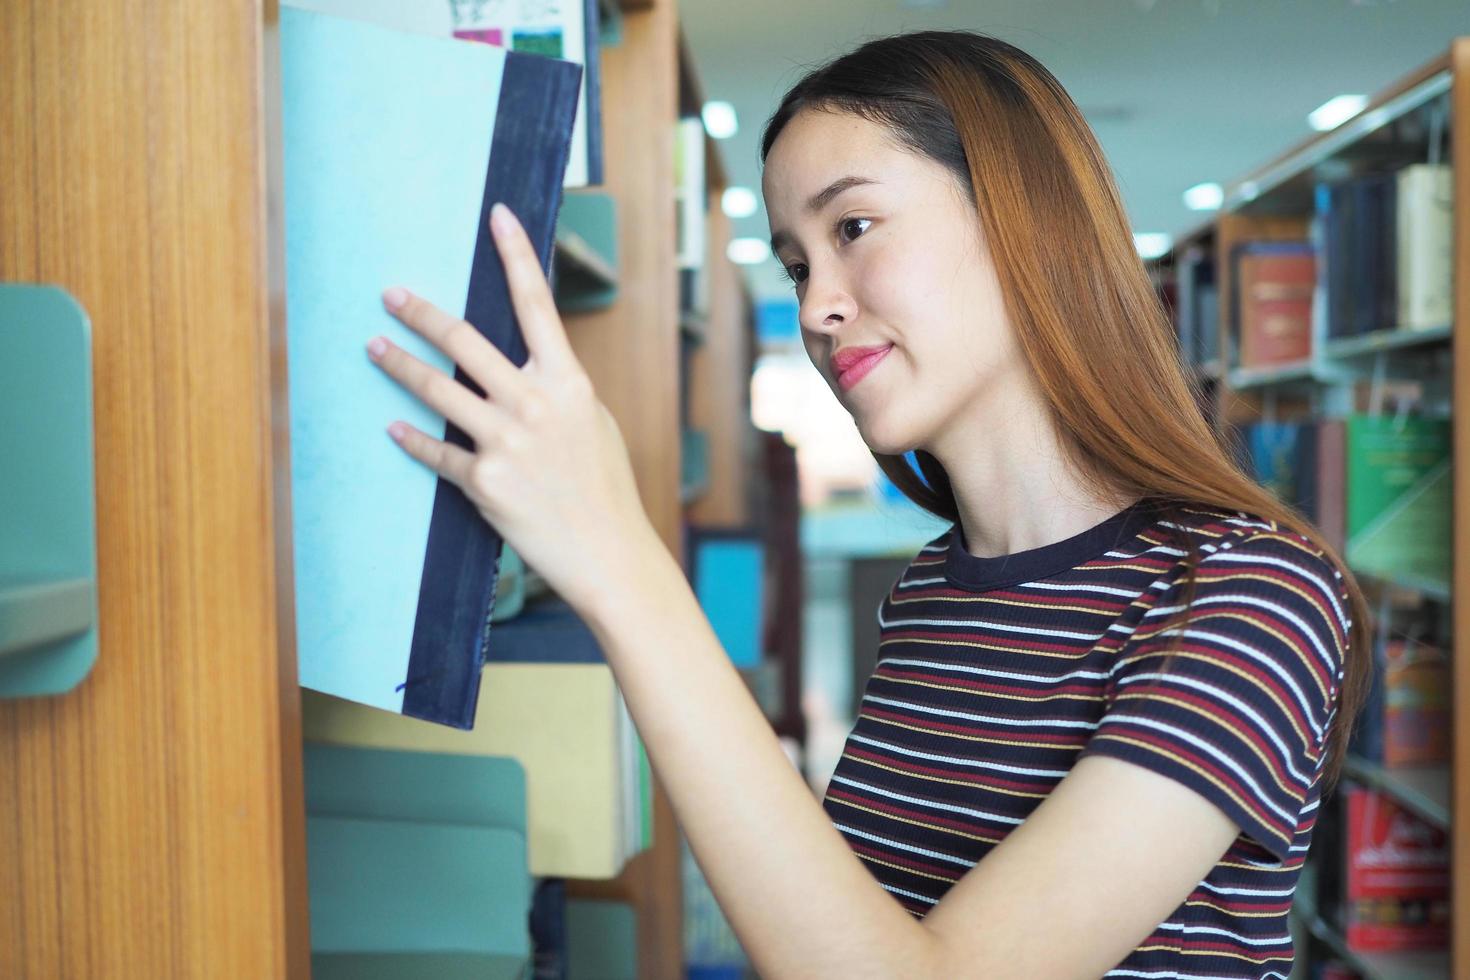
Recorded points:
(1460,401)
(631,350)
(719,390)
(150,820)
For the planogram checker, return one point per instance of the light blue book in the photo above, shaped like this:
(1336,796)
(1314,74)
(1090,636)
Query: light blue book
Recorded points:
(396,144)
(729,581)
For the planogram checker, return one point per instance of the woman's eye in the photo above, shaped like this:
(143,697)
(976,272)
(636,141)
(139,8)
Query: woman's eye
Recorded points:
(795,273)
(848,224)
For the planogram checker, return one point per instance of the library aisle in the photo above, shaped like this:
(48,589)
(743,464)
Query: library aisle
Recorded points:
(240,736)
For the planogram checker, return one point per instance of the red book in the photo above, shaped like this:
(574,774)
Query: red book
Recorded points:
(1276,282)
(1398,877)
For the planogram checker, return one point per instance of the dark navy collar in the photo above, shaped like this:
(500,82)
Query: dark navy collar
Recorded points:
(965,571)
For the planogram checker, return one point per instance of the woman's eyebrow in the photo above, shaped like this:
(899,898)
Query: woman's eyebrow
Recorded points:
(820,200)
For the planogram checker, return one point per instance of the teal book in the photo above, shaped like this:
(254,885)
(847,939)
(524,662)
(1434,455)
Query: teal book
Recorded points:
(396,144)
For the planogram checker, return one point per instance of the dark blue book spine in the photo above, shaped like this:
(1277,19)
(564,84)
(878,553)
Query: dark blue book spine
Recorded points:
(1336,234)
(547,631)
(1364,298)
(1388,272)
(528,159)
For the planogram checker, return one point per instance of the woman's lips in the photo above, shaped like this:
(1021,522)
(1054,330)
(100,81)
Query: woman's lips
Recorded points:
(861,368)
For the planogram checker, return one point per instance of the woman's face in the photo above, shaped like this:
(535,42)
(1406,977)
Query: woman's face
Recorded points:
(886,253)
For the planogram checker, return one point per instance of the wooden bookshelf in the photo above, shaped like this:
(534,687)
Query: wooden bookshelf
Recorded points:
(153,817)
(1275,203)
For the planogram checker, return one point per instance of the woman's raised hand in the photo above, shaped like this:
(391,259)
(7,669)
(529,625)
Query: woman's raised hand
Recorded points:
(549,470)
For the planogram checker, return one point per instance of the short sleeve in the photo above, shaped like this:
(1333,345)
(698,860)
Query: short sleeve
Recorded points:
(1241,713)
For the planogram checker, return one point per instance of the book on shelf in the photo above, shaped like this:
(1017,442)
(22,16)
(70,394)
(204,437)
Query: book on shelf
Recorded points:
(395,569)
(1425,233)
(727,569)
(1398,503)
(1395,876)
(1198,309)
(1273,302)
(568,30)
(691,200)
(1407,718)
(565,29)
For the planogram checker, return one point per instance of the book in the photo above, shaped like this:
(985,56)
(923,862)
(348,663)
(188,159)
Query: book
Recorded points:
(1273,308)
(1372,276)
(1406,719)
(1425,255)
(1397,487)
(691,202)
(728,575)
(569,30)
(566,29)
(395,569)
(1395,877)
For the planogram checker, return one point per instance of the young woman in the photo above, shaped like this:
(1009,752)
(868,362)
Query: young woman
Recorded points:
(1108,698)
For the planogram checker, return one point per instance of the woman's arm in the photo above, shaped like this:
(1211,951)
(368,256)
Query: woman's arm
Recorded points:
(800,901)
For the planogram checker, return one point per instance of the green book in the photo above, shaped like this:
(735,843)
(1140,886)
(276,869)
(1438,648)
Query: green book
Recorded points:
(1398,497)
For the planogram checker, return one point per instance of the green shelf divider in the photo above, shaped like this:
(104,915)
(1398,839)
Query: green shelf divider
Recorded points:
(585,259)
(400,889)
(48,503)
(417,864)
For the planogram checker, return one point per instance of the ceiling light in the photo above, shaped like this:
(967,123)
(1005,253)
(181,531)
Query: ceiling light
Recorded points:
(1204,197)
(1335,112)
(738,202)
(1151,244)
(748,251)
(719,120)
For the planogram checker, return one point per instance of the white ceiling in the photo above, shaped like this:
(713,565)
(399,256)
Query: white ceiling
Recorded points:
(1208,89)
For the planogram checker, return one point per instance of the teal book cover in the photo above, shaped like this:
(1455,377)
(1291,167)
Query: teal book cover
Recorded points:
(396,144)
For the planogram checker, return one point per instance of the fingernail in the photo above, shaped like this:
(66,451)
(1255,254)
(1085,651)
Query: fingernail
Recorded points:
(376,346)
(395,297)
(500,217)
(397,430)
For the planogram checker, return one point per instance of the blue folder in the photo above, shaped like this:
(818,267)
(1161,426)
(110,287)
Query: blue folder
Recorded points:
(395,147)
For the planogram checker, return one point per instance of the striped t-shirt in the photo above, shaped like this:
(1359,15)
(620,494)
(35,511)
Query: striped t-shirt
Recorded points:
(995,675)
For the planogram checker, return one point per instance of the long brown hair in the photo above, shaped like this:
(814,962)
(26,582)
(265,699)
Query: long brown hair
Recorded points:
(1086,315)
